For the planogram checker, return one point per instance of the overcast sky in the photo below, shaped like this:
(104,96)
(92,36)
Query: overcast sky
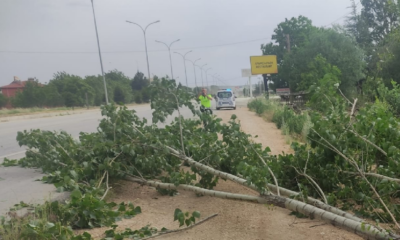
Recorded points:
(41,37)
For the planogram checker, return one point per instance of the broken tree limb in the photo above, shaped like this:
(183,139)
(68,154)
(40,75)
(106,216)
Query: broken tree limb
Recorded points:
(317,203)
(375,175)
(369,142)
(362,174)
(283,191)
(361,228)
(269,170)
(182,229)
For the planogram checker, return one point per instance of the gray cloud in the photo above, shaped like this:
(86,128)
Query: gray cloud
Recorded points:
(61,34)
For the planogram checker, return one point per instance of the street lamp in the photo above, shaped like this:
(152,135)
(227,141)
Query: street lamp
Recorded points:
(184,64)
(206,75)
(101,61)
(145,42)
(194,68)
(201,70)
(169,50)
(215,77)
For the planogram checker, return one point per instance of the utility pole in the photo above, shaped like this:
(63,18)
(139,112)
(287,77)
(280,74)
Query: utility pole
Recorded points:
(206,76)
(184,64)
(201,70)
(194,69)
(169,51)
(250,87)
(145,42)
(288,42)
(101,61)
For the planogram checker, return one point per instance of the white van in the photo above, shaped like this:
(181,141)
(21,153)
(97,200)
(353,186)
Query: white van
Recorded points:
(225,99)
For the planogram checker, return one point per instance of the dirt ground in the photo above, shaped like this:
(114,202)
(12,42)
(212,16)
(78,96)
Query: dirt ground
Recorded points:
(236,219)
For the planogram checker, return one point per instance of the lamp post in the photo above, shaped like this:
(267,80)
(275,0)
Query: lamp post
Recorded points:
(194,68)
(169,51)
(184,64)
(101,61)
(145,42)
(206,75)
(201,70)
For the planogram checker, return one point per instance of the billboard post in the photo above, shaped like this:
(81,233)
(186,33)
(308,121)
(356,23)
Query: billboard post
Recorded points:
(265,65)
(247,73)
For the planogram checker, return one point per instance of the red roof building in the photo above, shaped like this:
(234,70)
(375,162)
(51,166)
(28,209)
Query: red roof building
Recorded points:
(11,89)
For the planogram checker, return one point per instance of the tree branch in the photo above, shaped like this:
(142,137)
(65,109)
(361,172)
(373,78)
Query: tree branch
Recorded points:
(182,229)
(361,173)
(315,184)
(376,175)
(369,142)
(290,204)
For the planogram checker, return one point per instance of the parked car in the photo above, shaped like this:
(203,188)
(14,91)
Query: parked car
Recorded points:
(225,99)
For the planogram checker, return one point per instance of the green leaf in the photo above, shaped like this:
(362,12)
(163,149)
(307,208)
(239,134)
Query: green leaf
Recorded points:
(76,194)
(196,214)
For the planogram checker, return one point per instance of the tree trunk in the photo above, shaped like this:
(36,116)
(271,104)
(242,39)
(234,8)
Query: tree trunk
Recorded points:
(363,229)
(243,182)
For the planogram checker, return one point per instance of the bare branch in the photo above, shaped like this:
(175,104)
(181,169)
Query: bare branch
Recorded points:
(108,188)
(269,170)
(315,184)
(376,175)
(183,229)
(369,142)
(290,204)
(361,173)
(180,123)
(353,108)
(345,96)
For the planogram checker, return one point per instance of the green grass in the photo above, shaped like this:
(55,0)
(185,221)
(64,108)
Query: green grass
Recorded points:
(292,125)
(27,111)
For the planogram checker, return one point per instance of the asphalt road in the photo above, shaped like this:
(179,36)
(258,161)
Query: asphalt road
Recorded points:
(18,184)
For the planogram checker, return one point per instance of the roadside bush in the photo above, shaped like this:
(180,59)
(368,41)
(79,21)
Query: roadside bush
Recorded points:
(392,97)
(284,117)
(287,118)
(257,105)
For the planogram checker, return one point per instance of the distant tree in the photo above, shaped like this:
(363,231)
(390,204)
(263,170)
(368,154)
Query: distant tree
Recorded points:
(357,26)
(119,96)
(31,96)
(73,89)
(139,82)
(298,29)
(338,49)
(71,100)
(3,100)
(381,17)
(137,96)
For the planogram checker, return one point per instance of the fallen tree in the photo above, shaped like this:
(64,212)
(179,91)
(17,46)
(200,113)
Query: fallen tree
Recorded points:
(127,147)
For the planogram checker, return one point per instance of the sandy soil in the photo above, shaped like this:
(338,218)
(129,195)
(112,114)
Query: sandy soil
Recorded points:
(236,219)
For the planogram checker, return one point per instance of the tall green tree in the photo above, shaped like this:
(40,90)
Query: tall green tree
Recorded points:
(296,32)
(338,50)
(358,27)
(381,17)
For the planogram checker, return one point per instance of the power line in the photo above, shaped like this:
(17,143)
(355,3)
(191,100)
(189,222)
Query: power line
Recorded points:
(341,16)
(178,49)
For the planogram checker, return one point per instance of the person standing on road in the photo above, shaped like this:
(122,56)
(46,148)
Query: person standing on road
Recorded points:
(205,98)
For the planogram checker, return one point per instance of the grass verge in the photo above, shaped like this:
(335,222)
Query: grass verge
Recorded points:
(294,126)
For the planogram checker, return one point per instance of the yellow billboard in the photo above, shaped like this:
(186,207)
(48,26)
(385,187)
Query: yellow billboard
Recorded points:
(263,64)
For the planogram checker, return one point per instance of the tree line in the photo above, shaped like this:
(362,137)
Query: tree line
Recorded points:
(74,91)
(365,51)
